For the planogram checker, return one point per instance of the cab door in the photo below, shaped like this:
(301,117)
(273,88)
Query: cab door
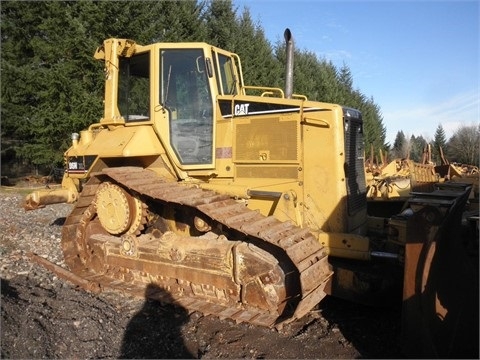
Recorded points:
(186,96)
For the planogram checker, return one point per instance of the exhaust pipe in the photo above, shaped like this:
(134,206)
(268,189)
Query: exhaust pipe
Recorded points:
(289,72)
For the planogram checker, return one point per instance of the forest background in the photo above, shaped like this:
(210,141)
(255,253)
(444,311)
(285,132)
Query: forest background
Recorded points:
(51,86)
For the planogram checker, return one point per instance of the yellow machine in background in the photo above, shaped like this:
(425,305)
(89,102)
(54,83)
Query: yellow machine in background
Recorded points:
(244,202)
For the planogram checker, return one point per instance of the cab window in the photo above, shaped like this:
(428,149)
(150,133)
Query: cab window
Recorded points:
(186,95)
(227,84)
(134,87)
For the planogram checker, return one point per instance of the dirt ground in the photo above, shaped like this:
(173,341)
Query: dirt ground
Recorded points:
(43,316)
(55,320)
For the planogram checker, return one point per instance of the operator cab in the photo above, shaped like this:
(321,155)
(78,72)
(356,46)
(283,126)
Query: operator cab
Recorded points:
(190,78)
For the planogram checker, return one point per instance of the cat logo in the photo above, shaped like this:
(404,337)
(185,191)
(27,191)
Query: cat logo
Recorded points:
(241,109)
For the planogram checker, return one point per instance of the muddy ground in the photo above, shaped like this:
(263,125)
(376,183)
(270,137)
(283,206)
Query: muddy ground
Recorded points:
(56,321)
(43,316)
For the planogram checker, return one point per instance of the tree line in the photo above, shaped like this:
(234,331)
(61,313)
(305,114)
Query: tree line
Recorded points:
(51,85)
(462,147)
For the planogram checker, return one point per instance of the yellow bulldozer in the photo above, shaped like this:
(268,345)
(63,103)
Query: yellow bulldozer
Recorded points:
(244,202)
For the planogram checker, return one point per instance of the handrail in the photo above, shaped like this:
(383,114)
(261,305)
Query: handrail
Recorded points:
(265,89)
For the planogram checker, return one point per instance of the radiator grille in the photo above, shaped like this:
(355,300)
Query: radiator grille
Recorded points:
(354,157)
(271,138)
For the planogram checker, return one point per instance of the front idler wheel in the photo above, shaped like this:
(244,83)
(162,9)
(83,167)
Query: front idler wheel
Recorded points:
(118,211)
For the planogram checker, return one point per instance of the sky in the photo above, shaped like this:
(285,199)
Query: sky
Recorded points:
(418,60)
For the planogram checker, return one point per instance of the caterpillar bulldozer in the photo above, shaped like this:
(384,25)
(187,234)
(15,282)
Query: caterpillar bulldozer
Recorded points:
(245,202)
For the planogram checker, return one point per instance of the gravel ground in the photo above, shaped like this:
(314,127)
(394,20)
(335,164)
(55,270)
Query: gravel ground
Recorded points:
(22,232)
(45,317)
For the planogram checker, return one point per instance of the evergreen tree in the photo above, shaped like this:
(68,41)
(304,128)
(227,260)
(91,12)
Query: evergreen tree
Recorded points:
(313,77)
(307,69)
(256,53)
(373,128)
(400,146)
(417,146)
(439,142)
(49,86)
(328,86)
(345,79)
(177,21)
(222,25)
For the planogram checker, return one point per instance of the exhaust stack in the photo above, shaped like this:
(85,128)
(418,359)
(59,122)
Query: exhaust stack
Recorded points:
(289,72)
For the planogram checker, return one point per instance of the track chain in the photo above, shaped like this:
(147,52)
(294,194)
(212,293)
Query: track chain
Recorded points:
(301,246)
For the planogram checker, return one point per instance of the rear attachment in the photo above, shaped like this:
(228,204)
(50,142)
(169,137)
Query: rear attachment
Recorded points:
(440,296)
